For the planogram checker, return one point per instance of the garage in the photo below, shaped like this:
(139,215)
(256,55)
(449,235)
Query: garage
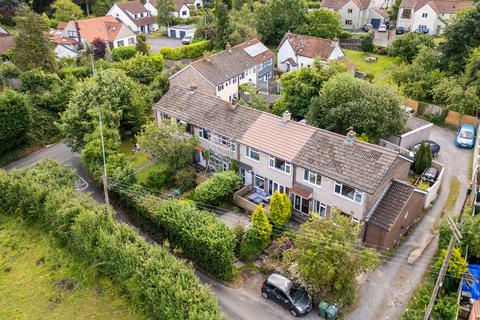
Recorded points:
(180,31)
(375,22)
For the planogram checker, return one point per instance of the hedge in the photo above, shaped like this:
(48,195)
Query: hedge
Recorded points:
(217,188)
(155,281)
(76,71)
(189,51)
(124,53)
(200,236)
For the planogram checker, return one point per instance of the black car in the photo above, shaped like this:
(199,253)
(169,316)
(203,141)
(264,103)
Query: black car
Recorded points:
(433,146)
(400,30)
(289,295)
(430,174)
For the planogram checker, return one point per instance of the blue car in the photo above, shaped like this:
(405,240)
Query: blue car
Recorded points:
(422,30)
(465,137)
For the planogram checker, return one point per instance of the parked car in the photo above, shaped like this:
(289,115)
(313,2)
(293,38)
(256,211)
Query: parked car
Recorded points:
(187,39)
(422,30)
(465,137)
(286,293)
(400,30)
(433,146)
(430,174)
(382,28)
(367,27)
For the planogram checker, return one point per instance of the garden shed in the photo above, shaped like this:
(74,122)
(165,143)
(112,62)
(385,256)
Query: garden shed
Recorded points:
(181,30)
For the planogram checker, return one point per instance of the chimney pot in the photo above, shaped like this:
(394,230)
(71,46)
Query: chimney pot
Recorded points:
(193,89)
(286,116)
(350,136)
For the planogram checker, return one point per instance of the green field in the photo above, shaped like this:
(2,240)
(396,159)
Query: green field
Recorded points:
(40,280)
(377,68)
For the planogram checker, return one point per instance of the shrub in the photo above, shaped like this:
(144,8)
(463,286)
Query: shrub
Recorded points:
(76,72)
(16,116)
(280,209)
(185,178)
(217,188)
(8,70)
(143,68)
(155,281)
(123,53)
(189,51)
(158,177)
(251,245)
(423,158)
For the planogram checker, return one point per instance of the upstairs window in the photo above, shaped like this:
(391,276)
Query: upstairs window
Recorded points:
(348,22)
(348,192)
(312,177)
(120,43)
(279,164)
(252,153)
(204,134)
(350,10)
(220,88)
(424,15)
(72,34)
(406,13)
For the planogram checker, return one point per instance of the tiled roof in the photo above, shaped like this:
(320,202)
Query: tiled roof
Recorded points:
(282,139)
(55,36)
(229,63)
(381,12)
(439,6)
(179,4)
(389,207)
(105,28)
(303,191)
(6,42)
(360,165)
(132,6)
(207,112)
(259,58)
(309,46)
(338,4)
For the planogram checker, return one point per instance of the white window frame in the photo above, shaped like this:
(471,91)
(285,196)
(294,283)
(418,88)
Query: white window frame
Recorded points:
(339,194)
(255,181)
(120,43)
(220,87)
(310,174)
(425,14)
(318,206)
(302,199)
(249,150)
(271,164)
(204,134)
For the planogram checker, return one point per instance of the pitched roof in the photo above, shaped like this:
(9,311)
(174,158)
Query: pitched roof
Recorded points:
(55,36)
(338,4)
(105,28)
(288,136)
(439,6)
(207,112)
(256,49)
(229,63)
(61,25)
(360,165)
(132,6)
(309,46)
(386,211)
(179,4)
(381,12)
(6,42)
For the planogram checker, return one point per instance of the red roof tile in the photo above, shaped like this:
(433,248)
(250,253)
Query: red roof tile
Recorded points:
(309,46)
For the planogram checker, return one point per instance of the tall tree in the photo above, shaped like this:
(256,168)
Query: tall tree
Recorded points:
(7,10)
(322,23)
(165,9)
(167,141)
(461,34)
(222,24)
(346,102)
(472,69)
(66,10)
(260,224)
(101,7)
(41,6)
(274,18)
(31,50)
(422,159)
(330,245)
(16,118)
(408,46)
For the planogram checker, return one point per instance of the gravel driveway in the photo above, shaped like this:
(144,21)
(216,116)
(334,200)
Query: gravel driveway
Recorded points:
(163,42)
(385,293)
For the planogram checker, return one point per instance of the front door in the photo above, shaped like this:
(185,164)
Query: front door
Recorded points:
(301,204)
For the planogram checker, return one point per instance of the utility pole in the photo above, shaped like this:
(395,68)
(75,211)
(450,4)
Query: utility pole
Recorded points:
(104,178)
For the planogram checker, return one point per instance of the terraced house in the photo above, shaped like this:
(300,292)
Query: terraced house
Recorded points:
(221,74)
(318,169)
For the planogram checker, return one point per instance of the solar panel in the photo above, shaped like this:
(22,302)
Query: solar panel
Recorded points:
(256,49)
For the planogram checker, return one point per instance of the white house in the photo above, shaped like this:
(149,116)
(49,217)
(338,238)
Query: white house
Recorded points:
(181,30)
(135,16)
(151,6)
(353,14)
(296,50)
(428,14)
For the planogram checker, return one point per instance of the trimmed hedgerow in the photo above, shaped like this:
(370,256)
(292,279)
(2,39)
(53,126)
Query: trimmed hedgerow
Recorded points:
(217,188)
(189,51)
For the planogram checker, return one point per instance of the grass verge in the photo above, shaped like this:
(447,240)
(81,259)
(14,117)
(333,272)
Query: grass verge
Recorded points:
(40,280)
(452,195)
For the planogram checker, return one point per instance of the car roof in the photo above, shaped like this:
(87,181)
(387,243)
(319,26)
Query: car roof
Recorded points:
(280,282)
(467,126)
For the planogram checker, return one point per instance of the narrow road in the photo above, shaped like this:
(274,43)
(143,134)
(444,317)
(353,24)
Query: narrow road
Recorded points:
(245,303)
(385,293)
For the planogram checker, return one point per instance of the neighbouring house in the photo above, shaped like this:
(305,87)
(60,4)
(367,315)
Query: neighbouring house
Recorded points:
(221,74)
(181,30)
(428,14)
(6,41)
(355,13)
(319,170)
(113,32)
(64,47)
(182,7)
(296,50)
(135,15)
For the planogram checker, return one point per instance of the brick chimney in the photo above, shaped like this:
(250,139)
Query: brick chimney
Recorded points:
(286,116)
(228,47)
(350,136)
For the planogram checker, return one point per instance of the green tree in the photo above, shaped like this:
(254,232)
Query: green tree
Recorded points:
(160,85)
(243,25)
(143,68)
(322,23)
(453,93)
(423,158)
(457,266)
(99,48)
(408,46)
(101,7)
(165,9)
(461,34)
(274,18)
(471,233)
(280,209)
(167,141)
(366,42)
(222,24)
(142,45)
(31,49)
(330,245)
(349,102)
(300,86)
(261,225)
(472,69)
(66,10)
(16,119)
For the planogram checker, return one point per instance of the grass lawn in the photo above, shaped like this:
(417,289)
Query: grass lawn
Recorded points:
(377,68)
(137,159)
(142,175)
(41,280)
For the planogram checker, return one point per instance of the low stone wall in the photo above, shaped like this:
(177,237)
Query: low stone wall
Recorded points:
(432,192)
